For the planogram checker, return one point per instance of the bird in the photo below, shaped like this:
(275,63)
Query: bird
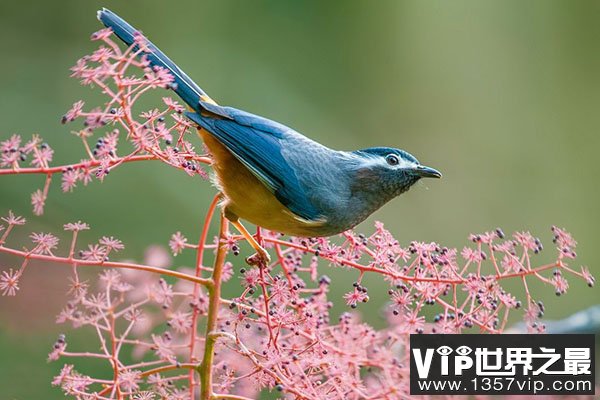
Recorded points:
(273,176)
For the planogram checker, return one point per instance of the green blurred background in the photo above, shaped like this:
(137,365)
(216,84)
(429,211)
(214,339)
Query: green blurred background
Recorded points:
(502,97)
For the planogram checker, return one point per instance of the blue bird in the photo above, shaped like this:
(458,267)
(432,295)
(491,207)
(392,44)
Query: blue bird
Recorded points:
(277,178)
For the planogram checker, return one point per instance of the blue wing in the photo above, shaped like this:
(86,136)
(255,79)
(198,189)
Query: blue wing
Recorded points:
(253,140)
(256,142)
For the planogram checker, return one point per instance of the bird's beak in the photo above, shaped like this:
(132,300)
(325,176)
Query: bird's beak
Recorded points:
(427,172)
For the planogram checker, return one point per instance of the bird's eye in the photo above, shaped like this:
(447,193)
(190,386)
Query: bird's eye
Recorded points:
(392,159)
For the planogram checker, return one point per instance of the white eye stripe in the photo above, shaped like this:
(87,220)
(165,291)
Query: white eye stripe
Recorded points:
(398,162)
(392,159)
(366,159)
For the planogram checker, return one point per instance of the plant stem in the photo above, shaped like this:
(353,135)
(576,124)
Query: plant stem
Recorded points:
(105,264)
(90,164)
(196,310)
(214,302)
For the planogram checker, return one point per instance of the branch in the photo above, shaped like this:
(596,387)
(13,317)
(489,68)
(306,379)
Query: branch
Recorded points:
(214,289)
(105,264)
(93,163)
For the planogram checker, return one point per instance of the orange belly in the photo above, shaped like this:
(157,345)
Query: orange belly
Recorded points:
(246,197)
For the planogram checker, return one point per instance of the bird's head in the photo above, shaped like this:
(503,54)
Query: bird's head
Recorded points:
(387,172)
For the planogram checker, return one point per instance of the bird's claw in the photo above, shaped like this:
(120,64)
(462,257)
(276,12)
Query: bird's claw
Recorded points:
(260,258)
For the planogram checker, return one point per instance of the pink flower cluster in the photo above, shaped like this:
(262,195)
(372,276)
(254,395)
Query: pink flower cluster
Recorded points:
(169,332)
(278,333)
(112,134)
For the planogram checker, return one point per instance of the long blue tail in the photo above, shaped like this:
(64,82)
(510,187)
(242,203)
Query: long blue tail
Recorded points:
(185,87)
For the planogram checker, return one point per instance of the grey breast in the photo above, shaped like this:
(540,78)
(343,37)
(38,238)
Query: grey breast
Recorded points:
(325,175)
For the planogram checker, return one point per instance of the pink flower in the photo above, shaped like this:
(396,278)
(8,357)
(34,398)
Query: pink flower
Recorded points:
(9,282)
(98,301)
(511,263)
(179,394)
(11,145)
(187,147)
(160,77)
(412,322)
(95,119)
(12,219)
(283,332)
(471,255)
(251,278)
(560,283)
(162,347)
(43,156)
(227,272)
(77,384)
(109,142)
(74,111)
(162,132)
(508,300)
(280,290)
(65,373)
(76,226)
(103,170)
(31,144)
(102,34)
(563,238)
(38,200)
(110,277)
(140,41)
(173,157)
(59,347)
(182,124)
(423,248)
(111,243)
(151,114)
(94,252)
(143,140)
(162,293)
(589,278)
(526,240)
(134,315)
(402,298)
(77,289)
(79,70)
(11,151)
(103,54)
(354,297)
(144,395)
(487,237)
(44,243)
(9,159)
(181,322)
(69,179)
(129,380)
(86,173)
(173,105)
(177,243)
(131,81)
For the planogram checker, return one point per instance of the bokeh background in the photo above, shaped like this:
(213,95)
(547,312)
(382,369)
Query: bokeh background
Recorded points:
(502,97)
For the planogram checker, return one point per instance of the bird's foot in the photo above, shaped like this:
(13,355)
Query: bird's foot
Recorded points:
(260,258)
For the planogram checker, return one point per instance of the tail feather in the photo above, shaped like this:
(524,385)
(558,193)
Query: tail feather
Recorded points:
(185,87)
